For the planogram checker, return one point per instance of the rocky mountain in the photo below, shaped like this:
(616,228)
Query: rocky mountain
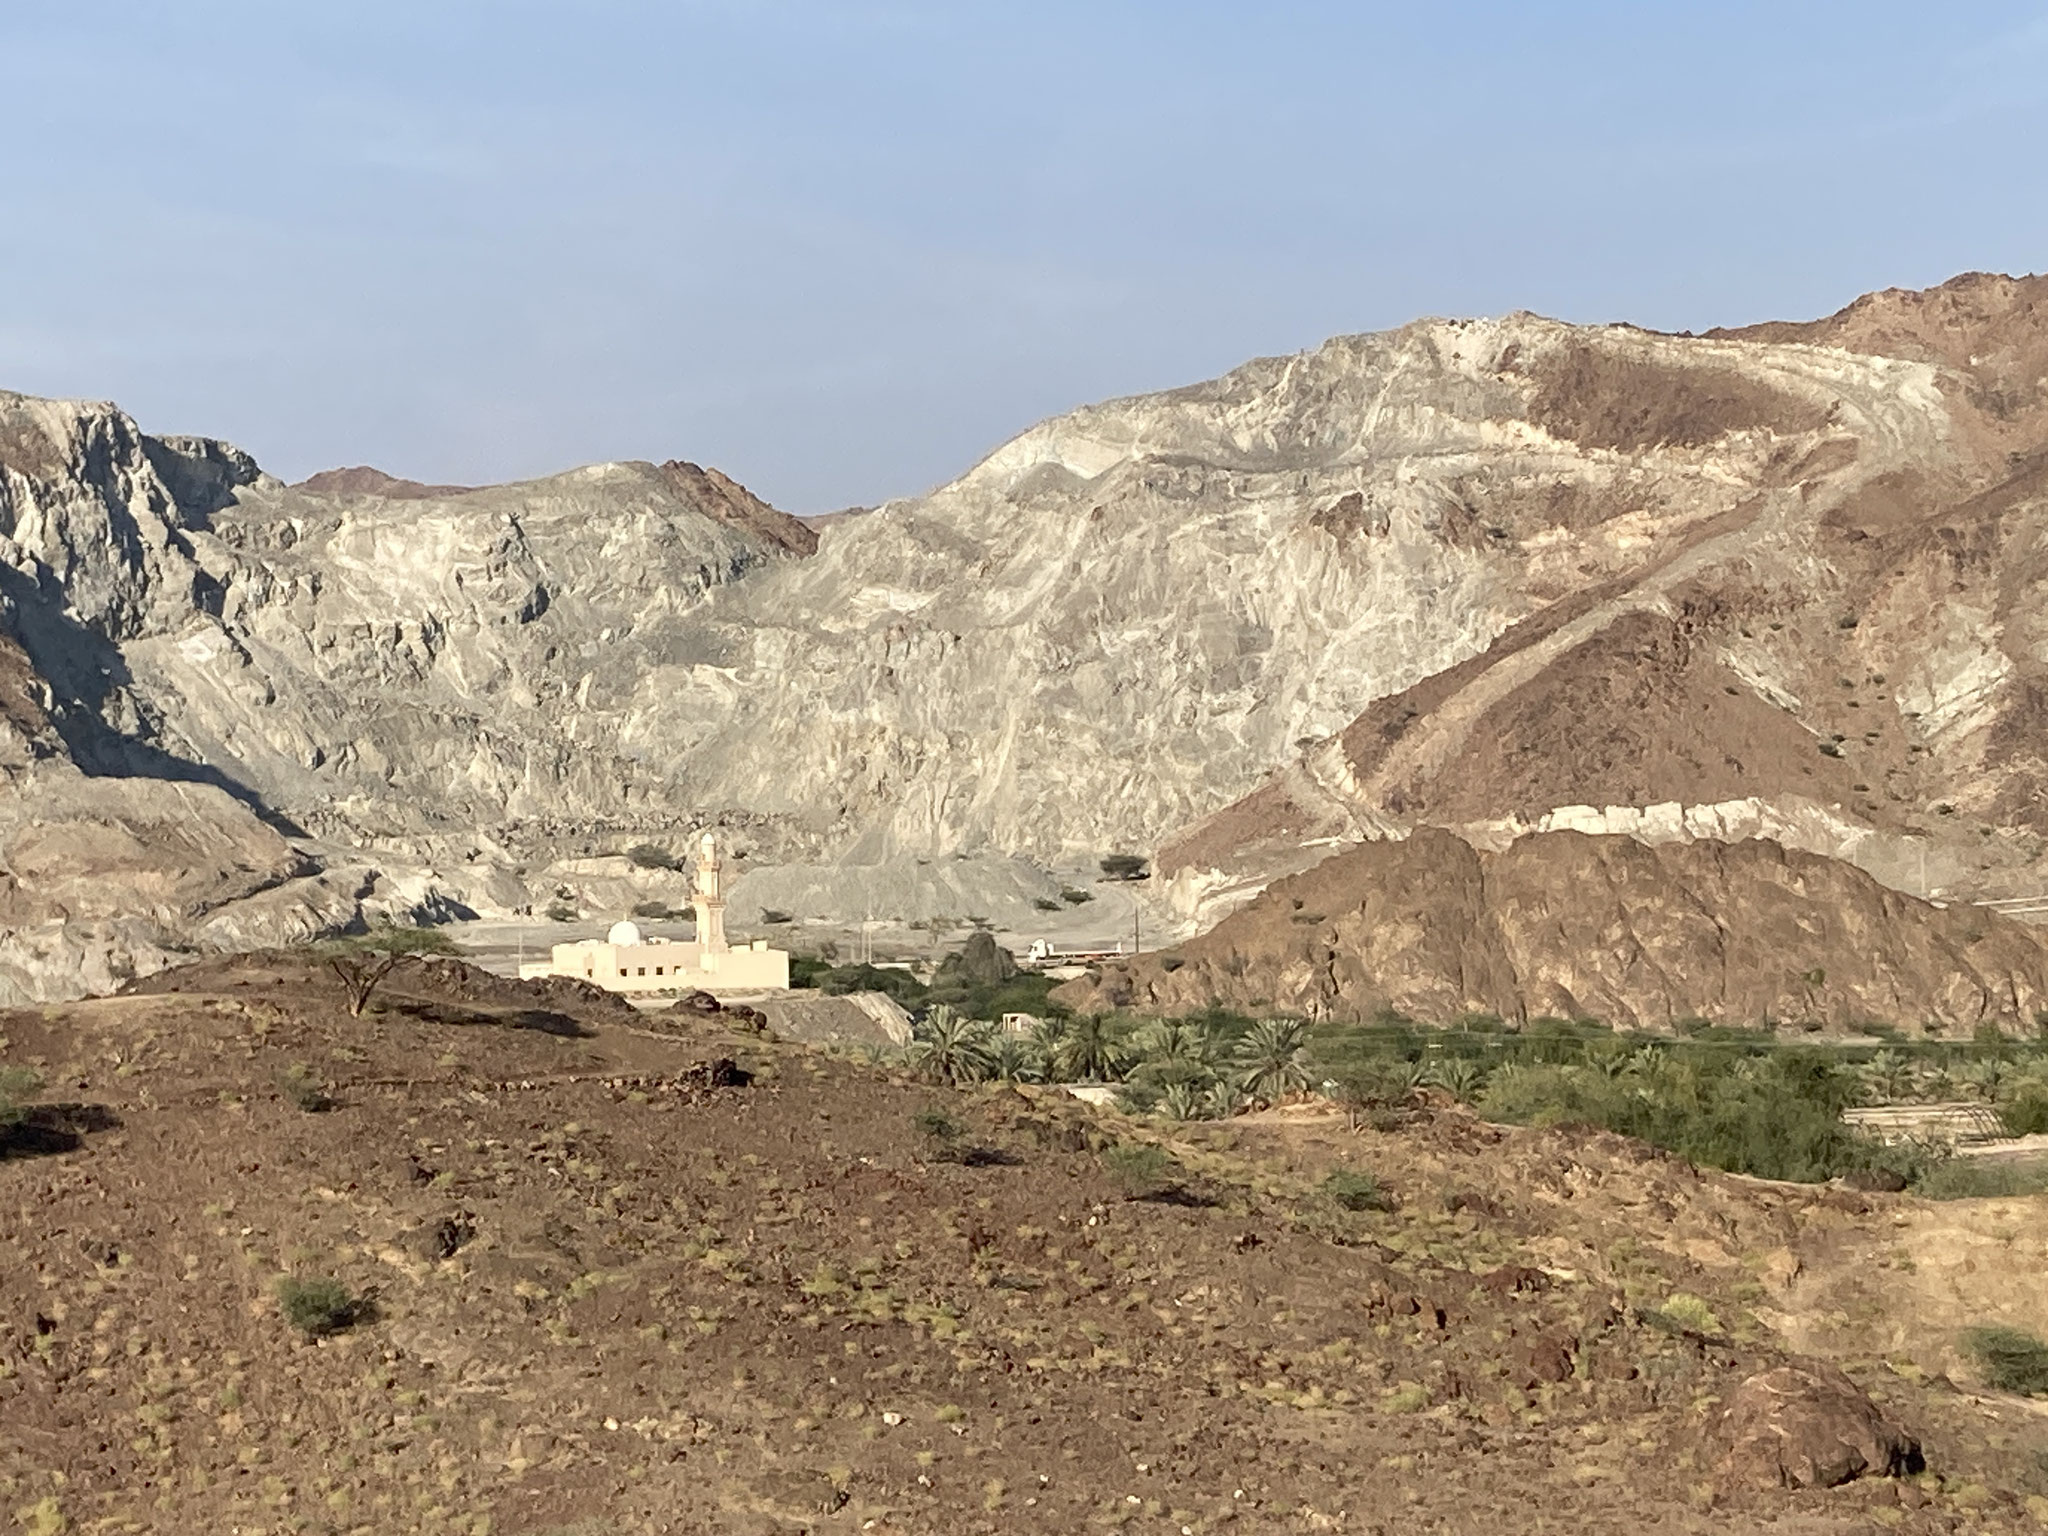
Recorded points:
(1572,925)
(225,688)
(1843,652)
(1493,575)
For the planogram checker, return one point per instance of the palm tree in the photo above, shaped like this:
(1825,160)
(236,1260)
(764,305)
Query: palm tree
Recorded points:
(1224,1099)
(1887,1076)
(1017,1059)
(1647,1063)
(1093,1050)
(1610,1058)
(1980,1079)
(1939,1081)
(952,1048)
(1459,1076)
(1274,1058)
(1183,1101)
(1175,1041)
(1049,1035)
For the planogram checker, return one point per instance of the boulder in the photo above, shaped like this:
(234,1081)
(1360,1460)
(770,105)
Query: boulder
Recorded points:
(1807,1425)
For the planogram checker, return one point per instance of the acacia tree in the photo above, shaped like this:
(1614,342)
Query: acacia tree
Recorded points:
(363,960)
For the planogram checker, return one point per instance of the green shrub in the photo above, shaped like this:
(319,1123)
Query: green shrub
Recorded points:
(1775,1114)
(936,1128)
(649,856)
(1123,866)
(1688,1313)
(2011,1361)
(1045,904)
(775,917)
(2026,1115)
(1357,1191)
(317,1307)
(1073,896)
(808,970)
(901,985)
(1139,1168)
(560,912)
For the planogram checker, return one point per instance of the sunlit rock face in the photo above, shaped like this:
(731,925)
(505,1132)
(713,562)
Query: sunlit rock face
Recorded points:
(1494,575)
(1847,656)
(1123,619)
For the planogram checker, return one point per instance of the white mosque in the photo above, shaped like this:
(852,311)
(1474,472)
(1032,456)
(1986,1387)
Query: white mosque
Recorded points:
(626,960)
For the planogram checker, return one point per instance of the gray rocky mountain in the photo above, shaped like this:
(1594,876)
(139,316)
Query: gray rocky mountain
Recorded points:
(1402,579)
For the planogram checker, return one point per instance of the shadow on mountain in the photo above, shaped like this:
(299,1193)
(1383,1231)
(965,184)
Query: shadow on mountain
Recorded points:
(84,671)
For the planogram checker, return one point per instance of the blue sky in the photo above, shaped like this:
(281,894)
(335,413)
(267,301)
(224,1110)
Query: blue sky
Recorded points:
(842,250)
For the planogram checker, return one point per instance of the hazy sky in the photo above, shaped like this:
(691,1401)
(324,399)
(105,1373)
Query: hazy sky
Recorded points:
(841,250)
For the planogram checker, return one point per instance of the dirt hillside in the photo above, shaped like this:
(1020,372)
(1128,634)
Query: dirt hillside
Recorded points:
(1571,925)
(610,1278)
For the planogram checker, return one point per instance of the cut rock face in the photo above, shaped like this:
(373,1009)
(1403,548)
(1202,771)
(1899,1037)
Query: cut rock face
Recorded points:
(1808,1426)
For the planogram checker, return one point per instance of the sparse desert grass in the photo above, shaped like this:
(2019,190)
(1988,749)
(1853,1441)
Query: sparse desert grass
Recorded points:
(303,1089)
(938,1133)
(1140,1168)
(1357,1191)
(1970,1178)
(17,1086)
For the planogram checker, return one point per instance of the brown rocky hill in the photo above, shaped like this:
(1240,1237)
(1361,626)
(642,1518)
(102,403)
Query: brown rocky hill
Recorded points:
(1570,925)
(593,1281)
(365,480)
(1848,656)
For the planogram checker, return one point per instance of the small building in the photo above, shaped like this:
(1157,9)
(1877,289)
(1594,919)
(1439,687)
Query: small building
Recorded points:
(627,960)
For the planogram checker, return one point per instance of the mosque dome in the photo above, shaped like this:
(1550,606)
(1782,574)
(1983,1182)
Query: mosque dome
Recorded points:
(624,933)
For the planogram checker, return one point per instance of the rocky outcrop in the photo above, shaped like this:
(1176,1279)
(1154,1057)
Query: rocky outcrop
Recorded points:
(853,1020)
(1572,925)
(1807,1425)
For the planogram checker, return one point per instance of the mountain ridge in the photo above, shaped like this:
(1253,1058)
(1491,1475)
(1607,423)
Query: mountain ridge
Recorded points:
(1428,576)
